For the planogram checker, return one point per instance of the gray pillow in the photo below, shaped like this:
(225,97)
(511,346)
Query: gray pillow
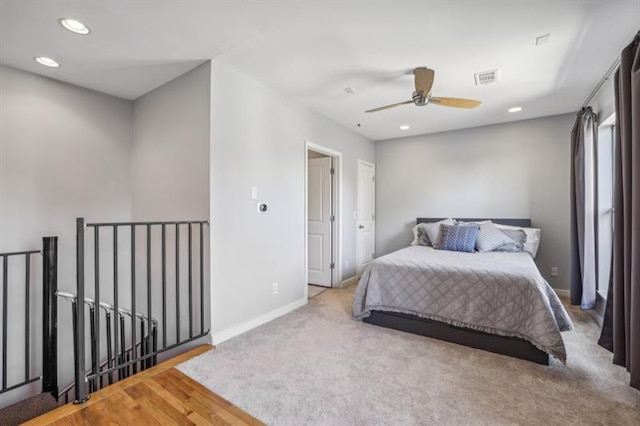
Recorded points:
(517,237)
(423,238)
(433,230)
(532,237)
(420,237)
(511,247)
(490,238)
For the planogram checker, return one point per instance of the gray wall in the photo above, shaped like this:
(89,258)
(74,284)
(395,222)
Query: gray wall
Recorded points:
(604,102)
(519,170)
(259,140)
(170,157)
(170,181)
(64,152)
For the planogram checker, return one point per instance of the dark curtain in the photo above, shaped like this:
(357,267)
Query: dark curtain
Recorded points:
(583,258)
(621,326)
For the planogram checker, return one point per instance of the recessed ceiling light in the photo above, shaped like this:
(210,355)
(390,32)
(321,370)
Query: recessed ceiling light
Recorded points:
(47,62)
(74,26)
(404,127)
(515,109)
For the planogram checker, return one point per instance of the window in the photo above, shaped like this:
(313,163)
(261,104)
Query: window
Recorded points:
(604,202)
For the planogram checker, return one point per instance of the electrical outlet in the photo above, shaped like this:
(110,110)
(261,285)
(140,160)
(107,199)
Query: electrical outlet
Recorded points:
(275,288)
(554,271)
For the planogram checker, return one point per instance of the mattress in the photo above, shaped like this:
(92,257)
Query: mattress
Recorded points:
(495,292)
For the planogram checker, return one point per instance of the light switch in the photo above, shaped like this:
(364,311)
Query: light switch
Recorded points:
(254,193)
(355,215)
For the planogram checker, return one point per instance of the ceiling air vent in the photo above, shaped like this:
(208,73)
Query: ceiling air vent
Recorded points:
(486,77)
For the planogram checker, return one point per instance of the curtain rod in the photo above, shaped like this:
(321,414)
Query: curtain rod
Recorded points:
(607,76)
(601,83)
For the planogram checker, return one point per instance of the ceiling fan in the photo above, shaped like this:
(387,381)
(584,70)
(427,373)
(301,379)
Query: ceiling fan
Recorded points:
(422,95)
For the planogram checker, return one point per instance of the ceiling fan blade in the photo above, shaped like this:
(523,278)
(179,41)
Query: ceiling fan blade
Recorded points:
(455,102)
(390,106)
(423,80)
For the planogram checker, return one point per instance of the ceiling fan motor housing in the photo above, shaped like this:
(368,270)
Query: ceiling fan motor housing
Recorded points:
(420,99)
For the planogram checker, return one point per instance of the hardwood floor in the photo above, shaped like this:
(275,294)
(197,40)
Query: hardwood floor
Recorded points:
(161,395)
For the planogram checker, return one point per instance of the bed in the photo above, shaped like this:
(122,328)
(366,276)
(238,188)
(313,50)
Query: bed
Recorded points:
(493,301)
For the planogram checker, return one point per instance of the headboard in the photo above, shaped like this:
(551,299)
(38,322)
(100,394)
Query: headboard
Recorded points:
(526,223)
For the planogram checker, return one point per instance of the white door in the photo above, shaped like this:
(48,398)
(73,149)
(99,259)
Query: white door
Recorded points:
(365,244)
(320,221)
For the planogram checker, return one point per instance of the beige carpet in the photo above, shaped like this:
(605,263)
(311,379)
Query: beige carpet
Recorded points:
(316,366)
(315,290)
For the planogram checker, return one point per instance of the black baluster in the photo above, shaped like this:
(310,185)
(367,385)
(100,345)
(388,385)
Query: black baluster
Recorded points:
(190,283)
(201,278)
(116,311)
(5,318)
(27,316)
(143,345)
(74,322)
(134,352)
(81,391)
(164,284)
(92,334)
(177,283)
(50,316)
(149,300)
(109,345)
(155,345)
(124,372)
(96,294)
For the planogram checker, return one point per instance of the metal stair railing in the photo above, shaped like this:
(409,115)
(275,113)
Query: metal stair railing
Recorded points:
(147,345)
(143,343)
(49,374)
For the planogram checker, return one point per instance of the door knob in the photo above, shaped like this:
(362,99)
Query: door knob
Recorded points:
(360,227)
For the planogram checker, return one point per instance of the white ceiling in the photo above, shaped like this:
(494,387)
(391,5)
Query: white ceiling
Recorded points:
(310,51)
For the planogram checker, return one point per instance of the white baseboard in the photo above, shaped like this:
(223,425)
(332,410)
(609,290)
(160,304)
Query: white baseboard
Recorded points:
(562,292)
(237,330)
(348,281)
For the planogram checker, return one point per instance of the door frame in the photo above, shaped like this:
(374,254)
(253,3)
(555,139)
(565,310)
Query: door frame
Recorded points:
(337,200)
(373,230)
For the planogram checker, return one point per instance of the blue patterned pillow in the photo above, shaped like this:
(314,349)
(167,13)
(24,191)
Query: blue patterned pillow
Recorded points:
(457,238)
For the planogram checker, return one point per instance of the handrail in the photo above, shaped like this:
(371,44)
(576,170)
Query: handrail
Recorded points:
(171,222)
(104,305)
(19,253)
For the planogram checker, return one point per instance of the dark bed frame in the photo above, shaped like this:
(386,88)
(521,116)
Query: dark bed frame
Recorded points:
(511,346)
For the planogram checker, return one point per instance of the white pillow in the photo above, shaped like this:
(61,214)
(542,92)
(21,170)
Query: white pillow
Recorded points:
(471,222)
(490,238)
(533,238)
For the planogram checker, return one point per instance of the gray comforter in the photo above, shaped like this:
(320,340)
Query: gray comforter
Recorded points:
(499,293)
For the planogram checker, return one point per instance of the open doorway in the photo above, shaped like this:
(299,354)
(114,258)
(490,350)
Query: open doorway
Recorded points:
(322,218)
